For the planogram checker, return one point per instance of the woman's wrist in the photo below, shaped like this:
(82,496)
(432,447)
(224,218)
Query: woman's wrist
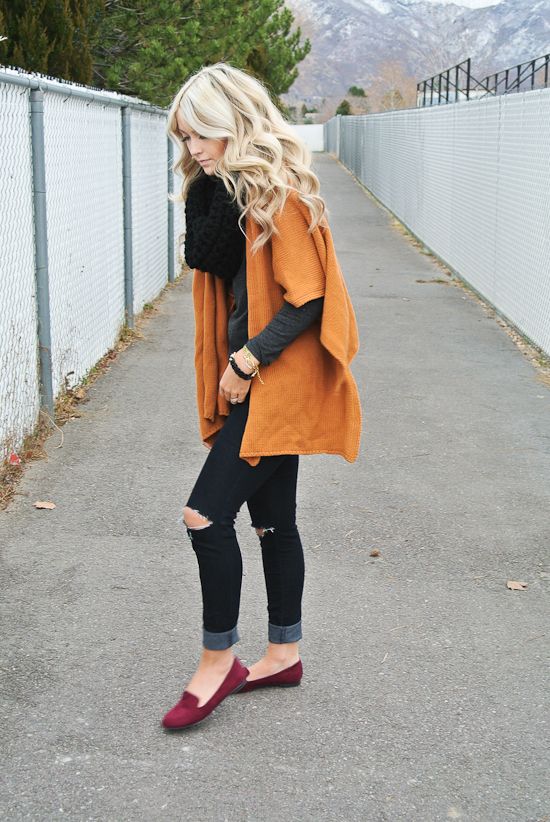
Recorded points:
(245,364)
(246,361)
(244,375)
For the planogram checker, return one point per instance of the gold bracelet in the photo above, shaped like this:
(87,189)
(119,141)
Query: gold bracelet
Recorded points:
(247,356)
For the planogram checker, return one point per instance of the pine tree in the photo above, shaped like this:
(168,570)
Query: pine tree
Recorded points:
(3,38)
(149,49)
(50,36)
(274,56)
(27,43)
(344,108)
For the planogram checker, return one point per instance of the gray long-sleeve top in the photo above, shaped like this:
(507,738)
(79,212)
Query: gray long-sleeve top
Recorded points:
(285,326)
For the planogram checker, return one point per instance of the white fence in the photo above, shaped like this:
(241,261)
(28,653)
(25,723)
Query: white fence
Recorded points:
(472,182)
(86,234)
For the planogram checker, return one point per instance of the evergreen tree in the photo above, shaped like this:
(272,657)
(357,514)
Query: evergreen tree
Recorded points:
(344,108)
(27,44)
(276,49)
(149,49)
(50,36)
(356,91)
(146,49)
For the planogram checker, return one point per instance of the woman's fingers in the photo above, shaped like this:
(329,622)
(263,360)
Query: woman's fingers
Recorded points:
(232,387)
(235,396)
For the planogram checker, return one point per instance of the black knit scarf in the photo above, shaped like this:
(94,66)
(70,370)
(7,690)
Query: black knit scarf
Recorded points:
(213,240)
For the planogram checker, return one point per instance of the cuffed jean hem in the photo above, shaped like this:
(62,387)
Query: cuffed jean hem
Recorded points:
(219,641)
(284,633)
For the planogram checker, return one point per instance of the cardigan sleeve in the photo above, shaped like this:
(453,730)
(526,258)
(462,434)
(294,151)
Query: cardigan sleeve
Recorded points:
(297,267)
(283,329)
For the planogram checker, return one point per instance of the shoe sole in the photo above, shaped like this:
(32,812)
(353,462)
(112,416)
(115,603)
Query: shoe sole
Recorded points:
(270,685)
(198,721)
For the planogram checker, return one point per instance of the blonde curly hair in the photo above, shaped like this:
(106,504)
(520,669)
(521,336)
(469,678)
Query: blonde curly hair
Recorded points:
(263,159)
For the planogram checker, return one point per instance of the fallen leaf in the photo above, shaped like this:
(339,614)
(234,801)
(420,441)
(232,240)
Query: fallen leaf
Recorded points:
(44,504)
(14,459)
(516,586)
(375,552)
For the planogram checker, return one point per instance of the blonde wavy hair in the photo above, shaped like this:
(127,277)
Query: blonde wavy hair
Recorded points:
(263,159)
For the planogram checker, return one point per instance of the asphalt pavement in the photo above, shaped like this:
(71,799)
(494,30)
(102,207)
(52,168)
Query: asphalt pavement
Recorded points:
(426,687)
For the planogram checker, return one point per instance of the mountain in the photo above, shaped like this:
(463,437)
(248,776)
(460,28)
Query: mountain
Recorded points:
(352,39)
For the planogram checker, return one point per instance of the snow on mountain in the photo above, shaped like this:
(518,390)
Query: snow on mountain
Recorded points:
(351,39)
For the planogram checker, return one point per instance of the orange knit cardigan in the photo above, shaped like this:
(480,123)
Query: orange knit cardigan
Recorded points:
(309,402)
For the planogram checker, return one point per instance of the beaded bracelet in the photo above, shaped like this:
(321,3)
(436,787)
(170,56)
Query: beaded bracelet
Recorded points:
(240,373)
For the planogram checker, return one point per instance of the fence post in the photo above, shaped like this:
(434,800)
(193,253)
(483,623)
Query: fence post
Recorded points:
(170,186)
(127,215)
(41,250)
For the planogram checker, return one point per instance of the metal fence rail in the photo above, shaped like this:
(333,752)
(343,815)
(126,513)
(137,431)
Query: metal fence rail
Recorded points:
(457,83)
(87,234)
(473,184)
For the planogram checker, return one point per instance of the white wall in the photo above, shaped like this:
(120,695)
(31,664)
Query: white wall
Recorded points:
(472,181)
(312,135)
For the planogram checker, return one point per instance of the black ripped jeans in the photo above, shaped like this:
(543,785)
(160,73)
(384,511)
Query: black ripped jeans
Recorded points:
(225,482)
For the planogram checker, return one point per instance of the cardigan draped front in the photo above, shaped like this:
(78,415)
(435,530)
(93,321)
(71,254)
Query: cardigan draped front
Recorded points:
(309,402)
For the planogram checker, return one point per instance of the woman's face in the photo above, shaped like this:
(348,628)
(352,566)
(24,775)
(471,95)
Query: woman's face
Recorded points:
(205,150)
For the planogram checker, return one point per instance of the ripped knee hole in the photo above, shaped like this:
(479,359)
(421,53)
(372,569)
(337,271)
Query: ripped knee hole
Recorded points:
(263,531)
(195,520)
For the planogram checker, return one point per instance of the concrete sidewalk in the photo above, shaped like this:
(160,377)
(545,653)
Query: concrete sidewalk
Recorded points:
(426,692)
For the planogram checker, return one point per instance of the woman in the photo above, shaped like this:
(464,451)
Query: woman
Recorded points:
(275,333)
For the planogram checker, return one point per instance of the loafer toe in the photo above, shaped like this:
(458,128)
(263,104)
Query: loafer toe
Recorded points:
(187,712)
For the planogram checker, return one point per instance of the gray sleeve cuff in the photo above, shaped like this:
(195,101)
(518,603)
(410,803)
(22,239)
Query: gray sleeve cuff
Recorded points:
(285,326)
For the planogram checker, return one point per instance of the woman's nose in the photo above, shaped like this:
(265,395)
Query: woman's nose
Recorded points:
(194,147)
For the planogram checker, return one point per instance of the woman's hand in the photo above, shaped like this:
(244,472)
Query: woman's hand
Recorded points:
(232,387)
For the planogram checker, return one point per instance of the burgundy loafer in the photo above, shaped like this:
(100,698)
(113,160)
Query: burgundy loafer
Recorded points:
(187,712)
(286,678)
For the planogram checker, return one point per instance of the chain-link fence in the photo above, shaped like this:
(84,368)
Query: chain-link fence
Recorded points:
(471,180)
(87,234)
